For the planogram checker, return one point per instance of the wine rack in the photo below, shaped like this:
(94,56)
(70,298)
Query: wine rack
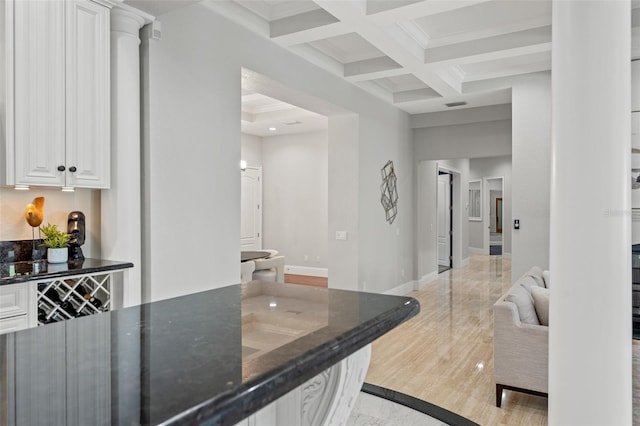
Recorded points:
(67,298)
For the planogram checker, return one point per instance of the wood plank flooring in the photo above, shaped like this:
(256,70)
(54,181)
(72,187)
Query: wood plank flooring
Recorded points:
(445,354)
(306,280)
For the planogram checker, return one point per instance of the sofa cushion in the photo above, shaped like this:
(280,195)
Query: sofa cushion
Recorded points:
(521,297)
(546,276)
(536,273)
(541,303)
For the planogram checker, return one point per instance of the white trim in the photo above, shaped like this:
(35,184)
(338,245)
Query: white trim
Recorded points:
(475,250)
(506,255)
(402,289)
(486,201)
(306,270)
(465,262)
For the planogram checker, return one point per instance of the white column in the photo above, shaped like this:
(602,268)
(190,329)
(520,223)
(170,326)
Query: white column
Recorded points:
(590,242)
(120,216)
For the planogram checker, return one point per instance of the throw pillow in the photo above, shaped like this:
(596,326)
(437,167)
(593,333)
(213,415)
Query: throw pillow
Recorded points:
(521,297)
(527,282)
(541,303)
(536,273)
(546,275)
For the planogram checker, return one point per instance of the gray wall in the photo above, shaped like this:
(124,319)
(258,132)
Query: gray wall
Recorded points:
(427,214)
(192,150)
(251,149)
(473,140)
(294,194)
(531,162)
(442,144)
(479,168)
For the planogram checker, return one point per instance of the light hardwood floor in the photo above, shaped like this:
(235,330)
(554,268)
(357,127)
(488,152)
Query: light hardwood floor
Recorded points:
(445,354)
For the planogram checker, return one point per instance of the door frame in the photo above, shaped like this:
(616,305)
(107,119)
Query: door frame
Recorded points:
(456,216)
(449,213)
(486,214)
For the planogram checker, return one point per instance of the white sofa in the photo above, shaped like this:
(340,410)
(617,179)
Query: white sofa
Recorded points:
(521,336)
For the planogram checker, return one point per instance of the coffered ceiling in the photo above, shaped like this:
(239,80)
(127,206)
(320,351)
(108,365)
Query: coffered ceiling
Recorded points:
(418,55)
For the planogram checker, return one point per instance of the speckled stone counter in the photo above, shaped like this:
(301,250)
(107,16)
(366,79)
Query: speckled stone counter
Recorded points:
(213,357)
(38,270)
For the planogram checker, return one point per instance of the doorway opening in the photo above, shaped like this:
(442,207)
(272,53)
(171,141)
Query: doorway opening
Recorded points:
(445,221)
(493,220)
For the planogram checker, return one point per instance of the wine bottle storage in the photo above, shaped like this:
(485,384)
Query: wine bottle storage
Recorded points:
(68,298)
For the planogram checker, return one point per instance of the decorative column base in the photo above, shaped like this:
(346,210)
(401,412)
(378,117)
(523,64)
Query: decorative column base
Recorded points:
(326,399)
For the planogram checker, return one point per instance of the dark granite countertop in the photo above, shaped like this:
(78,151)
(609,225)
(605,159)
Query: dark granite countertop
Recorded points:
(19,272)
(213,357)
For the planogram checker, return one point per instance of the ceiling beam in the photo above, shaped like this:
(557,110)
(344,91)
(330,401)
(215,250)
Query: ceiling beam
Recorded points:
(370,69)
(310,34)
(518,43)
(422,8)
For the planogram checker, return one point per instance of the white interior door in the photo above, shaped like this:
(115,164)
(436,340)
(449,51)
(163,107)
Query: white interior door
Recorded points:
(444,219)
(251,209)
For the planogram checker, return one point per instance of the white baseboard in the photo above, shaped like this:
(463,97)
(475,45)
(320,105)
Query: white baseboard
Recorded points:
(465,262)
(402,289)
(475,250)
(306,270)
(426,279)
(506,255)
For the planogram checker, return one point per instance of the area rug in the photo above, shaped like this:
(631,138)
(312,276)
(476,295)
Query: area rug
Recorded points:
(378,406)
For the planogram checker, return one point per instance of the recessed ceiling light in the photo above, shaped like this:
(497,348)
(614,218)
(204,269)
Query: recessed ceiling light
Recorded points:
(272,129)
(455,104)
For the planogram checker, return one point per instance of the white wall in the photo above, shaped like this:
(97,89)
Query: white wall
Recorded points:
(192,151)
(480,168)
(57,206)
(531,163)
(294,194)
(251,149)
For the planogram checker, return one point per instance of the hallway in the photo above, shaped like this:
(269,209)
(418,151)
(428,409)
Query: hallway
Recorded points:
(446,355)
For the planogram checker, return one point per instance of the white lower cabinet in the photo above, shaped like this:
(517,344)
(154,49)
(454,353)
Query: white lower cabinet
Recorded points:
(17,303)
(34,303)
(9,325)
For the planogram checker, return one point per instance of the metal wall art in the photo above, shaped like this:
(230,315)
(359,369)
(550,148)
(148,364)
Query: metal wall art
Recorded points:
(389,198)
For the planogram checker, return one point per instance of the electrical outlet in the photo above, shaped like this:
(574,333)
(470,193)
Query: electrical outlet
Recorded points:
(341,235)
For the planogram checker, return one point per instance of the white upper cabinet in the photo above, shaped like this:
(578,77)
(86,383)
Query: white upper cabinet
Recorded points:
(61,94)
(87,94)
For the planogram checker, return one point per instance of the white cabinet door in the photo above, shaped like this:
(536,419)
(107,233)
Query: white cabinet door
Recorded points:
(88,95)
(62,93)
(39,92)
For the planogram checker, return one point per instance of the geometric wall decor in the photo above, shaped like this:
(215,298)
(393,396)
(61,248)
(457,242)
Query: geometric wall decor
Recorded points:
(389,198)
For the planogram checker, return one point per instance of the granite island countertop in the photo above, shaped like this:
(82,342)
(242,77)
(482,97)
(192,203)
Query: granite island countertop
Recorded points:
(39,270)
(213,357)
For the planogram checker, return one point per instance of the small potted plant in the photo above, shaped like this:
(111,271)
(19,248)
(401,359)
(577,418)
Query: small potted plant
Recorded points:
(56,242)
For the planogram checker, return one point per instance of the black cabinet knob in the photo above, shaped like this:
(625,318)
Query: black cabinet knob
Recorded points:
(72,169)
(61,168)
